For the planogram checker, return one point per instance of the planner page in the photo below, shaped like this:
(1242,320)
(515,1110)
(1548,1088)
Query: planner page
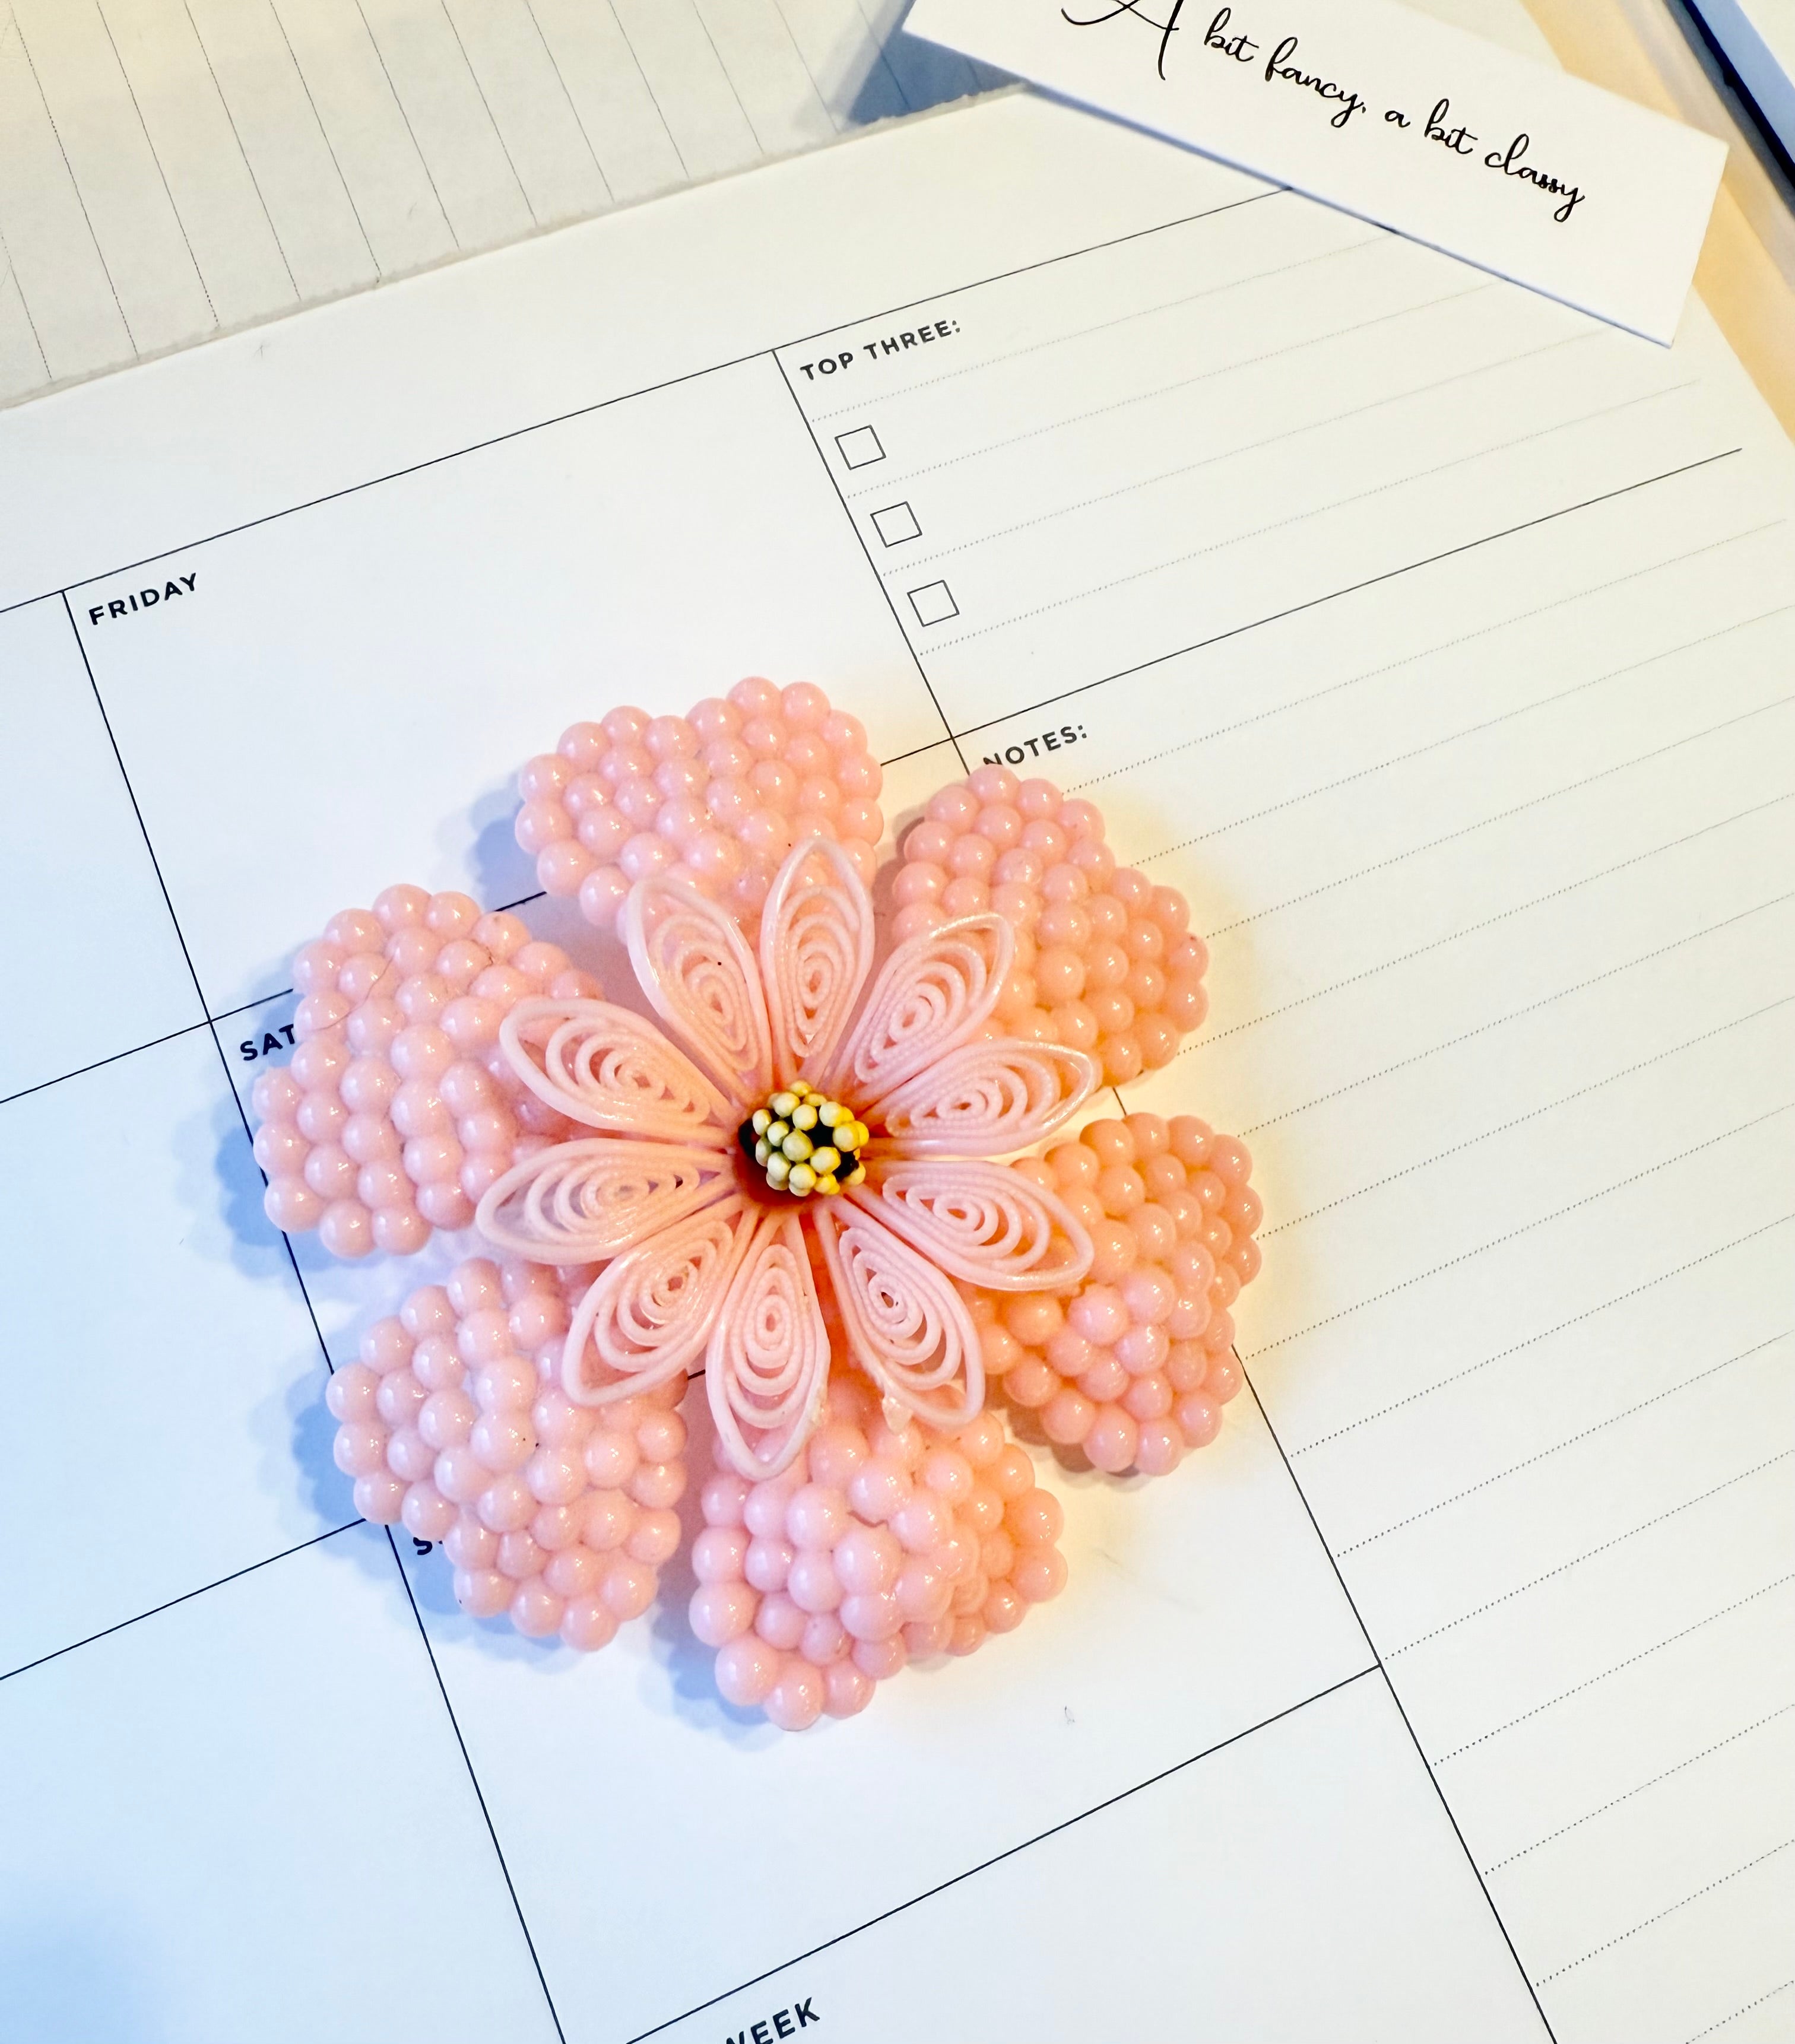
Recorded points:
(1436,641)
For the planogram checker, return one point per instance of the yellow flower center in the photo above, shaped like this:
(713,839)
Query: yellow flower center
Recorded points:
(806,1144)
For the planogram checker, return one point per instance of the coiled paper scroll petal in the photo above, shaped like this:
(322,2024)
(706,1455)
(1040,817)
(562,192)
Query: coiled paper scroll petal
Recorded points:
(580,1202)
(610,1069)
(934,992)
(767,1365)
(692,962)
(987,1099)
(816,951)
(980,1221)
(649,1314)
(908,1328)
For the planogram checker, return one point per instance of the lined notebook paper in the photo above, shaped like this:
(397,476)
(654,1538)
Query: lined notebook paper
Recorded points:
(173,169)
(1436,640)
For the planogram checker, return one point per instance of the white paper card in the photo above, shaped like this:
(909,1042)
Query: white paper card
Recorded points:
(1395,116)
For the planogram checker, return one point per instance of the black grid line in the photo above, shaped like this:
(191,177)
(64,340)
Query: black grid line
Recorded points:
(1128,319)
(187,1596)
(1384,1675)
(480,1793)
(908,476)
(860,541)
(1348,589)
(298,1278)
(1251,447)
(950,737)
(1489,922)
(953,1881)
(1579,595)
(1222,545)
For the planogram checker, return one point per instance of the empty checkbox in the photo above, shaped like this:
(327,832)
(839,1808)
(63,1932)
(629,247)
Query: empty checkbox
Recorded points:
(896,524)
(860,448)
(933,603)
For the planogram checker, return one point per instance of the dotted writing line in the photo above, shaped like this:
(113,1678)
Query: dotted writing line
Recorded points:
(1601,1809)
(1520,1120)
(1426,653)
(1302,518)
(1577,1561)
(1570,1441)
(1644,1653)
(1513,1014)
(1708,1889)
(1526,1227)
(1533,1341)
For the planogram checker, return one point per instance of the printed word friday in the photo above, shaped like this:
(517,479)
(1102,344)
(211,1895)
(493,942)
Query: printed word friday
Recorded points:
(1282,67)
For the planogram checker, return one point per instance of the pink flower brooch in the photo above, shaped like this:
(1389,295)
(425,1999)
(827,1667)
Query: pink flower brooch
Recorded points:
(795,1180)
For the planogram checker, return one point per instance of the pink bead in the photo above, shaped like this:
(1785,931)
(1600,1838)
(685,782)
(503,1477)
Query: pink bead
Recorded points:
(779,1621)
(628,1587)
(817,1517)
(811,1583)
(470,1545)
(611,1459)
(720,1612)
(922,1591)
(845,1689)
(768,1563)
(877,1489)
(795,1701)
(520,1557)
(586,1626)
(346,1229)
(292,1205)
(1111,1441)
(867,1560)
(610,1519)
(482,1593)
(658,1486)
(1159,1452)
(505,1504)
(747,1669)
(656,1537)
(1040,1574)
(1067,1417)
(872,1616)
(1100,1314)
(837,1451)
(725,1496)
(881,1659)
(1199,1418)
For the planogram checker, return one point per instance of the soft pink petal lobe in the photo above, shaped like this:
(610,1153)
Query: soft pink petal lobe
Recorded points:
(612,1071)
(908,1328)
(650,1313)
(987,1099)
(934,991)
(580,1202)
(768,1365)
(691,961)
(980,1222)
(816,951)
